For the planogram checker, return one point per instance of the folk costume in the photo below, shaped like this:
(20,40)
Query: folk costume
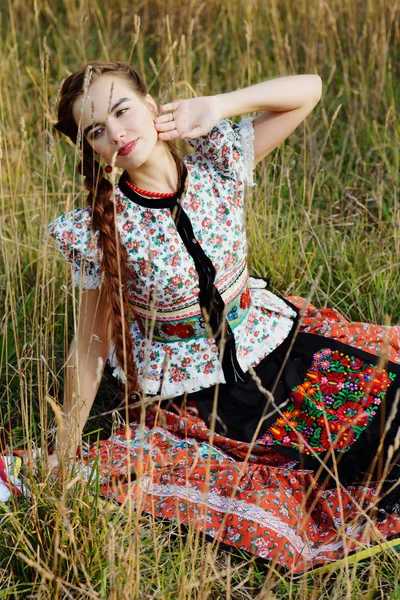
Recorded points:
(219,350)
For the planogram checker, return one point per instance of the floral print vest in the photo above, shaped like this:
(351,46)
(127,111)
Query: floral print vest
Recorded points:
(175,351)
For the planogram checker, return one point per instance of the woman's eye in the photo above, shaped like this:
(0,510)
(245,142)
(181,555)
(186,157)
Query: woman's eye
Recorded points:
(95,133)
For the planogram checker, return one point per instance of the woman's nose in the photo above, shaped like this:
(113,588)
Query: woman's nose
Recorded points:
(116,132)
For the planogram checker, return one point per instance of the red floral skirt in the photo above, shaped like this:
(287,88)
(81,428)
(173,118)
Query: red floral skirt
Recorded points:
(254,496)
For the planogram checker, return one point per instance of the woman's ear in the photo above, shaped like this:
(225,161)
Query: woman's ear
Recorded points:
(151,104)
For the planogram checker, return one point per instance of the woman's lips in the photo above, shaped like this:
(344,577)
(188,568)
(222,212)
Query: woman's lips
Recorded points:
(127,148)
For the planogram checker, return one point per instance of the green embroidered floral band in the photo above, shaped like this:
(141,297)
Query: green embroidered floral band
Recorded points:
(195,326)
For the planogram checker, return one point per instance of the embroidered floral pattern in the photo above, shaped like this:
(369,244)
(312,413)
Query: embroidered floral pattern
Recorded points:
(194,326)
(333,406)
(181,330)
(245,299)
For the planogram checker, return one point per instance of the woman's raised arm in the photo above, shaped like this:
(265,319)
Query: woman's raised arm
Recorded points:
(283,102)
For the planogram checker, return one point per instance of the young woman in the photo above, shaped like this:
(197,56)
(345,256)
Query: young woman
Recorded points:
(167,300)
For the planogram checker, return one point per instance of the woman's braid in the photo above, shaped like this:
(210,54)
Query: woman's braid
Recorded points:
(114,262)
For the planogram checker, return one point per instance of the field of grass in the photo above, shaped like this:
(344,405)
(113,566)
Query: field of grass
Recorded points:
(327,202)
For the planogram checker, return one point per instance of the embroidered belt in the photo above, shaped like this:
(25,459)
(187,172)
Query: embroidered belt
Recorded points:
(179,325)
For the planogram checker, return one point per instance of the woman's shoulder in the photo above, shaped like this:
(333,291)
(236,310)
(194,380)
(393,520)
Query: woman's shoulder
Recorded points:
(77,243)
(228,146)
(74,230)
(68,219)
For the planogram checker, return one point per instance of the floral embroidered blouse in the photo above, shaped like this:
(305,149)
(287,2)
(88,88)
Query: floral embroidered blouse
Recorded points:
(174,333)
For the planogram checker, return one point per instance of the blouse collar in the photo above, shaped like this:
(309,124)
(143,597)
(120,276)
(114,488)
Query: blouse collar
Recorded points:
(151,202)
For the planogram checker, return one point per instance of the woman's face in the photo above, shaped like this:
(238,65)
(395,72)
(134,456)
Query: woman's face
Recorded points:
(112,115)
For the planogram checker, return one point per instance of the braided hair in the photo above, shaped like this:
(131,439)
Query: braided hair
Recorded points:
(114,257)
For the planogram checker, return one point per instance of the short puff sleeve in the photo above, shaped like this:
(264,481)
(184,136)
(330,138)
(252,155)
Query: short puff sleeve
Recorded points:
(230,147)
(77,243)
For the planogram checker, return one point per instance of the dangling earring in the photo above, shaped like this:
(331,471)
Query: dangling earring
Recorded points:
(108,169)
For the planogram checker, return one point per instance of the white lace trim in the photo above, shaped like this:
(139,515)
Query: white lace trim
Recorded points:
(265,519)
(175,388)
(246,132)
(262,298)
(87,282)
(257,284)
(171,389)
(264,344)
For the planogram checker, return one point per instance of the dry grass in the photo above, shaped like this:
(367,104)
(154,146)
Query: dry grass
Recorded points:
(329,196)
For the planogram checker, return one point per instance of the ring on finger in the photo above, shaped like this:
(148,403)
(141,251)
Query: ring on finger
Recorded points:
(173,116)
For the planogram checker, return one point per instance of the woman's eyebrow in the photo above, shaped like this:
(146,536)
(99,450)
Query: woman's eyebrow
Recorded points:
(93,125)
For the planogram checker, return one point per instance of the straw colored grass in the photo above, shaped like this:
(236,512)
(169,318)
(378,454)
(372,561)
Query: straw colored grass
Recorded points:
(328,198)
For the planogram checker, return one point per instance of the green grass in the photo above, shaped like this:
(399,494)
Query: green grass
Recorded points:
(327,199)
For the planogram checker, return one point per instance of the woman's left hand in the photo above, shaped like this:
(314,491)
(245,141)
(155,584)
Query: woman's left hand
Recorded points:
(190,118)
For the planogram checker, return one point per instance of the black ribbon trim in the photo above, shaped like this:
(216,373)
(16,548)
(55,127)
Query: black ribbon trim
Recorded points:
(153,203)
(210,299)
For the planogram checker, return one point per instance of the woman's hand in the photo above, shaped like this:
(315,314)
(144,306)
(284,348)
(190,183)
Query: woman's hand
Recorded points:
(188,118)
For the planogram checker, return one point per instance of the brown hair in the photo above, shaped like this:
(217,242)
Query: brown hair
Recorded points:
(100,199)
